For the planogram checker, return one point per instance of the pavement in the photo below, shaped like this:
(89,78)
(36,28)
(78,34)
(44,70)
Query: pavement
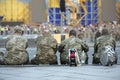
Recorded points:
(47,72)
(60,72)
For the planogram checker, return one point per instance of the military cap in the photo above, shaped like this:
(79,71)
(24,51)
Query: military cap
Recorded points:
(46,32)
(18,29)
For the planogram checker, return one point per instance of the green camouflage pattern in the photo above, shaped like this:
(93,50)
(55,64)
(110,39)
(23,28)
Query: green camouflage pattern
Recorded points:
(46,49)
(72,42)
(101,42)
(16,50)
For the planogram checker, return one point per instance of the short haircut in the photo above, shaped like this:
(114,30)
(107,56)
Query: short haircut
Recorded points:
(72,32)
(105,32)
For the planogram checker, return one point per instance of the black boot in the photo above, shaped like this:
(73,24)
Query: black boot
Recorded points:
(95,60)
(86,61)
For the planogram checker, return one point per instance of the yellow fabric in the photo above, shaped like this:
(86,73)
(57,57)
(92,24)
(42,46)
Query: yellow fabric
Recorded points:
(17,11)
(53,3)
(58,37)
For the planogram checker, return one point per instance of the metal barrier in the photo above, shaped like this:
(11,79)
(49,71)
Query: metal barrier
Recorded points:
(58,37)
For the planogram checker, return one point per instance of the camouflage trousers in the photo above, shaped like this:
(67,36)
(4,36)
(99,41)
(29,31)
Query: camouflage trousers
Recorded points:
(16,58)
(44,60)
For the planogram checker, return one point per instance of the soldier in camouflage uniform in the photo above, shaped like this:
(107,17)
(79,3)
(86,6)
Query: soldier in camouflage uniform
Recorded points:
(102,41)
(46,49)
(72,42)
(81,34)
(97,34)
(16,45)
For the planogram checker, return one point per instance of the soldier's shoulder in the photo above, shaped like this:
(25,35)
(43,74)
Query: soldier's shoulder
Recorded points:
(99,38)
(52,39)
(25,39)
(80,40)
(9,37)
(65,41)
(22,38)
(40,37)
(102,39)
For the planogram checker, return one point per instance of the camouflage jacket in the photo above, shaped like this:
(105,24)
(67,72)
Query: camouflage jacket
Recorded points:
(46,46)
(73,42)
(16,43)
(103,41)
(16,50)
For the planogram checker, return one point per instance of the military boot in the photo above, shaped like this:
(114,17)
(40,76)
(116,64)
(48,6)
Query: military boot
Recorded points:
(1,57)
(95,60)
(86,61)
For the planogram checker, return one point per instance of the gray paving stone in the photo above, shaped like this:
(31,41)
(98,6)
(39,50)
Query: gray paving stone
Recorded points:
(86,72)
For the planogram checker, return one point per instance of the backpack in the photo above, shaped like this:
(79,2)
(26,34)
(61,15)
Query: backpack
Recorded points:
(73,57)
(107,56)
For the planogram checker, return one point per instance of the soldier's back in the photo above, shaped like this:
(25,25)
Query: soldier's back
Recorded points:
(105,40)
(18,42)
(16,50)
(46,49)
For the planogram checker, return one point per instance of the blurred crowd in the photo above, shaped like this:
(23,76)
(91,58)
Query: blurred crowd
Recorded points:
(93,31)
(28,29)
(86,32)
